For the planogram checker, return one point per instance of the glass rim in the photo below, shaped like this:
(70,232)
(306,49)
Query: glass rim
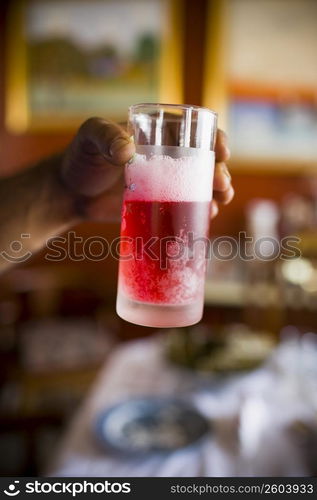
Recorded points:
(184,107)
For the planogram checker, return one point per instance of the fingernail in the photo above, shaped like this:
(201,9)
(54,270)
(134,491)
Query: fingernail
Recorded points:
(214,209)
(228,152)
(226,171)
(132,159)
(117,144)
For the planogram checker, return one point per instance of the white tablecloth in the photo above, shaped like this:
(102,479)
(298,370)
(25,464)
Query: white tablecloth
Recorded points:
(260,422)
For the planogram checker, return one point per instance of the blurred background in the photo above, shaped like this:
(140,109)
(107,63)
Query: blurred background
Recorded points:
(255,64)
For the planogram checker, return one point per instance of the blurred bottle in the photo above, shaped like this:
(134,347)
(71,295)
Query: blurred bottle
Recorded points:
(263,310)
(297,214)
(298,277)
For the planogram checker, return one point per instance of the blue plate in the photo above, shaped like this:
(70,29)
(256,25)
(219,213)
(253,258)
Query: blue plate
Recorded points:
(152,424)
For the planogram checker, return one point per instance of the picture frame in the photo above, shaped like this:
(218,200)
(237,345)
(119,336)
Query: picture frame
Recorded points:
(60,71)
(215,93)
(268,109)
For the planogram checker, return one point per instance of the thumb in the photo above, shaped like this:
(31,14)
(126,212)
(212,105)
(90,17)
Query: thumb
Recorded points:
(92,162)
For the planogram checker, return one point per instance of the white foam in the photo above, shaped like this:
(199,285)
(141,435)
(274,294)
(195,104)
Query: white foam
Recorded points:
(163,178)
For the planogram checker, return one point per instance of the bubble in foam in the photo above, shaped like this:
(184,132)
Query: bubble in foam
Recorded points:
(177,285)
(163,178)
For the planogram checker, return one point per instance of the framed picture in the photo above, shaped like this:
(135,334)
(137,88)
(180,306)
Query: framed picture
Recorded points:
(260,76)
(68,60)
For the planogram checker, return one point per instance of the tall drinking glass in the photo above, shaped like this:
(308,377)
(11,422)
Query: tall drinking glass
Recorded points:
(165,215)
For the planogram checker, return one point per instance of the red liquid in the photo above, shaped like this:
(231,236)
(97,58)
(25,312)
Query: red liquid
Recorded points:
(161,263)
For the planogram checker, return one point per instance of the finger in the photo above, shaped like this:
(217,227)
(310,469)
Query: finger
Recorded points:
(214,209)
(109,139)
(224,197)
(222,177)
(222,151)
(90,164)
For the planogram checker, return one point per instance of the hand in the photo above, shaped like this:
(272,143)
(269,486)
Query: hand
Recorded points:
(91,169)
